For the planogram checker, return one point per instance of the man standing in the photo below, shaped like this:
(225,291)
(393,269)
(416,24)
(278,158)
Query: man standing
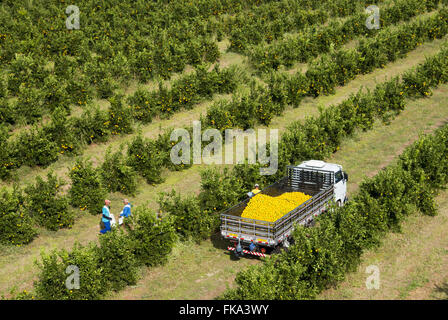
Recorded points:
(126,211)
(254,191)
(106,217)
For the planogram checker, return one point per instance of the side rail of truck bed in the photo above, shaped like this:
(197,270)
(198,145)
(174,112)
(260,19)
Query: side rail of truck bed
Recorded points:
(310,208)
(272,233)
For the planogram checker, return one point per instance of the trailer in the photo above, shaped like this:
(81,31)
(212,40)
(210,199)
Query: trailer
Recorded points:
(324,182)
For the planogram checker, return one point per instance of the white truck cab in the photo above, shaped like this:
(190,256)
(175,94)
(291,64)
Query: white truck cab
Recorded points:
(340,178)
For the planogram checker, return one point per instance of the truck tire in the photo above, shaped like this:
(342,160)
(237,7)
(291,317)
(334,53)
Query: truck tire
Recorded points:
(339,203)
(277,250)
(291,240)
(310,223)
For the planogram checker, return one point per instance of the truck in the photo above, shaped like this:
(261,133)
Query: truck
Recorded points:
(325,182)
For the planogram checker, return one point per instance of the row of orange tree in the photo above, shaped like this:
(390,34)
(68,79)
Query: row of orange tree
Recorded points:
(64,135)
(271,21)
(307,45)
(54,67)
(39,204)
(47,203)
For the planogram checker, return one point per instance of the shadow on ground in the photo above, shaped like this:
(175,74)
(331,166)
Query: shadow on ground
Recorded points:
(443,289)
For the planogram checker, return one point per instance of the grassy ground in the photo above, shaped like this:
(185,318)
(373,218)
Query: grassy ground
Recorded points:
(203,271)
(412,263)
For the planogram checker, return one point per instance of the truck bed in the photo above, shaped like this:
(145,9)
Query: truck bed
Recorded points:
(273,190)
(233,226)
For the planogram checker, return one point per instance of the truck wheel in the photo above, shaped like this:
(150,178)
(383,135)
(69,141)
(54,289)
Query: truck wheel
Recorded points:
(277,250)
(291,240)
(311,223)
(339,203)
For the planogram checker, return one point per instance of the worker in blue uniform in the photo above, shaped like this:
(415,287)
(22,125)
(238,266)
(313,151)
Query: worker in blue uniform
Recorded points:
(106,218)
(126,211)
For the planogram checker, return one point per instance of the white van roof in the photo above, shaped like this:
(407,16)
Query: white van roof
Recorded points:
(320,165)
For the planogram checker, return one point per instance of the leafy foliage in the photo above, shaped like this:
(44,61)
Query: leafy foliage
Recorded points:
(144,158)
(116,175)
(116,258)
(153,237)
(16,227)
(189,220)
(46,205)
(87,191)
(51,283)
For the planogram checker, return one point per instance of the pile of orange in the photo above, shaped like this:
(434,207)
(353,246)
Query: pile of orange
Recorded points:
(267,208)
